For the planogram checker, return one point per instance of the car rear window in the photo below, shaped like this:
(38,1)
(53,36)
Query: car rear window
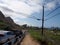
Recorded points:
(10,33)
(1,35)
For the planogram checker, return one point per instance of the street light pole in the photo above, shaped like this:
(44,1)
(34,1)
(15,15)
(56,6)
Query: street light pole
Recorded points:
(43,20)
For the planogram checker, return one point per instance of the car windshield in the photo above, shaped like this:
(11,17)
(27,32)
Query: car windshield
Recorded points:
(10,33)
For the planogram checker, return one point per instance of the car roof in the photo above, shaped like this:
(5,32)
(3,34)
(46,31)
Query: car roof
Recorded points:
(3,32)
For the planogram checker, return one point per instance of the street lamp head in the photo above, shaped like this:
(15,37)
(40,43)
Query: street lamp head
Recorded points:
(38,19)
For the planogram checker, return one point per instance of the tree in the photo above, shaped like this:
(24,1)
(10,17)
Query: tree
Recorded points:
(24,26)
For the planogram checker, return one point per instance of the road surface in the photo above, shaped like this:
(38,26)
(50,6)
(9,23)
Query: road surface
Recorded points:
(28,40)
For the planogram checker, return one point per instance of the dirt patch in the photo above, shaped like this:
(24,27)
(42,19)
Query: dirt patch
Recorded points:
(29,41)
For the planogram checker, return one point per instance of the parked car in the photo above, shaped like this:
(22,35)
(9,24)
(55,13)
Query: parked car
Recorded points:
(18,32)
(5,35)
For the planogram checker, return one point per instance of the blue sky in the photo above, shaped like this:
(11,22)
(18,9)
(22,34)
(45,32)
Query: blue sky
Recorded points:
(21,10)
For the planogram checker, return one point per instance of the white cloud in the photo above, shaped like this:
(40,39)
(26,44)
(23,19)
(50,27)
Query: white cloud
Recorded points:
(23,8)
(20,22)
(51,5)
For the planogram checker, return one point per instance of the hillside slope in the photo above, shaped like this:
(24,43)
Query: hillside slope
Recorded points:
(6,23)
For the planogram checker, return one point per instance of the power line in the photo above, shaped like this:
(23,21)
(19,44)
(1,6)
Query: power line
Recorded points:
(33,17)
(52,17)
(53,10)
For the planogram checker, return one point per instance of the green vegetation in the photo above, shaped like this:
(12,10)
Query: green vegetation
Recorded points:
(50,36)
(3,25)
(53,37)
(36,35)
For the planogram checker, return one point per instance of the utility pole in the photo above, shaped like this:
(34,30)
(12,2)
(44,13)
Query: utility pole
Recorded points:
(43,21)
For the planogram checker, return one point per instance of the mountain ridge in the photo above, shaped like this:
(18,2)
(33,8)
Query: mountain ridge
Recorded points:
(7,23)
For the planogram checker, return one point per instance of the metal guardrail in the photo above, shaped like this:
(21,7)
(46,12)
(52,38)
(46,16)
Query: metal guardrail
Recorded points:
(13,41)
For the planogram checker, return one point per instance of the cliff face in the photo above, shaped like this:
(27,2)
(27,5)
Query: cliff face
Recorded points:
(2,17)
(9,20)
(7,23)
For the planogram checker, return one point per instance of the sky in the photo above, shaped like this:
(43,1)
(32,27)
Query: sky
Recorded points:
(26,11)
